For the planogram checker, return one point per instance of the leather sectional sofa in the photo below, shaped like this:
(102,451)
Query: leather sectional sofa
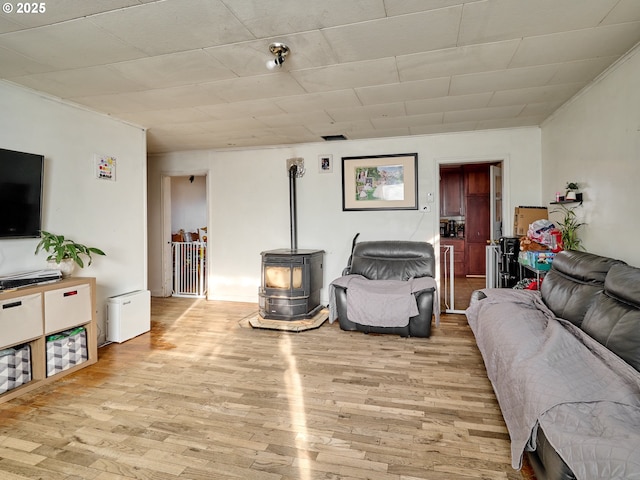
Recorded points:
(564,363)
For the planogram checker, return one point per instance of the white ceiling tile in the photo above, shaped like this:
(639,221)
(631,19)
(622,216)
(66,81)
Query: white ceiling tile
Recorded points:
(157,99)
(68,45)
(506,19)
(380,133)
(251,108)
(347,114)
(444,128)
(340,128)
(540,109)
(457,60)
(548,93)
(184,68)
(7,25)
(402,7)
(348,75)
(444,104)
(240,89)
(494,123)
(13,64)
(478,114)
(286,120)
(502,79)
(624,11)
(319,101)
(393,36)
(266,19)
(577,45)
(173,26)
(80,82)
(402,92)
(582,70)
(171,116)
(407,121)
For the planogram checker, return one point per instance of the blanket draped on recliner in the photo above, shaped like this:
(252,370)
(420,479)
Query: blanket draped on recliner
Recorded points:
(380,303)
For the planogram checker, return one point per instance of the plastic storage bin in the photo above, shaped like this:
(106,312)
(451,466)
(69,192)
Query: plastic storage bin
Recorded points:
(15,367)
(66,349)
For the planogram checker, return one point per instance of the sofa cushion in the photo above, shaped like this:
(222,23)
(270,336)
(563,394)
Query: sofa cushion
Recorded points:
(614,318)
(573,282)
(393,260)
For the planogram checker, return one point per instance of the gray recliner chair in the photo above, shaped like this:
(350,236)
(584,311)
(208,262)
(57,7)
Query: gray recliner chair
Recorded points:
(391,260)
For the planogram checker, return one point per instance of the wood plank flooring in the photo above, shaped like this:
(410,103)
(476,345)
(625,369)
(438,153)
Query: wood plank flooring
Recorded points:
(204,396)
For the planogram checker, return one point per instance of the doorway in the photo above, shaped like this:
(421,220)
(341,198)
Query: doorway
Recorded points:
(185,231)
(471,212)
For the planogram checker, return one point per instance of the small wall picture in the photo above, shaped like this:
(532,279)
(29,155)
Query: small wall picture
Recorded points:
(105,167)
(325,163)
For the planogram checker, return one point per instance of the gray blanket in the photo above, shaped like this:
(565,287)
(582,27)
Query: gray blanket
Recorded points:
(547,372)
(381,303)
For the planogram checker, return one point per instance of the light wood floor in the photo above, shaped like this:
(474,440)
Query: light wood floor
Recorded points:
(204,397)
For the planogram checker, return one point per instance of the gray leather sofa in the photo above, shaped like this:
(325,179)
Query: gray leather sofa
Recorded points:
(601,297)
(391,260)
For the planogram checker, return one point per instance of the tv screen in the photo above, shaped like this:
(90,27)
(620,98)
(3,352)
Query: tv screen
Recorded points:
(20,194)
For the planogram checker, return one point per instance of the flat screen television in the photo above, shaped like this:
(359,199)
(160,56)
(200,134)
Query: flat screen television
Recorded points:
(21,176)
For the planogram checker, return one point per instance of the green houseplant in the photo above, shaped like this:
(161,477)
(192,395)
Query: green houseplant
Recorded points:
(569,227)
(63,250)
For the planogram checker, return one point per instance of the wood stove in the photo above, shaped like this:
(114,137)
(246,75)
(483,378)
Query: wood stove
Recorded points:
(291,284)
(291,279)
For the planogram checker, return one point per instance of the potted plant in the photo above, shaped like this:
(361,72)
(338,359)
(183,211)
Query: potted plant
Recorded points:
(569,227)
(64,253)
(572,189)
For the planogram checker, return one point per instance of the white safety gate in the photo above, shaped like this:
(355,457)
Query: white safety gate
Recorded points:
(189,275)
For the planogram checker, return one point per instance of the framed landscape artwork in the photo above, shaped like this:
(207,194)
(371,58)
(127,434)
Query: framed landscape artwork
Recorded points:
(380,182)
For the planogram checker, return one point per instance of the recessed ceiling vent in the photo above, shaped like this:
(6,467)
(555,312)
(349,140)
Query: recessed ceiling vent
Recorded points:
(333,138)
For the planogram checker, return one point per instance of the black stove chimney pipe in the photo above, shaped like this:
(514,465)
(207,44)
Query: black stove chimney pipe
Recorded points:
(293,209)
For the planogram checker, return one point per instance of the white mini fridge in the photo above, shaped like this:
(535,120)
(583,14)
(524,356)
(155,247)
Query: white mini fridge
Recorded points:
(128,315)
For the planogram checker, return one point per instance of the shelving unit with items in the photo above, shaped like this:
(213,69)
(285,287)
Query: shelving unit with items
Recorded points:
(31,315)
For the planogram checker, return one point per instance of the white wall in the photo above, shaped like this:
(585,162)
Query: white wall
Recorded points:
(104,214)
(249,200)
(595,140)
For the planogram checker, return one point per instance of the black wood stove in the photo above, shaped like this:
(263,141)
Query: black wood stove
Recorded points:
(291,279)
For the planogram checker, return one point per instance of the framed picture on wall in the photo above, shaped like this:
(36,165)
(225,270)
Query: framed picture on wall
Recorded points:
(380,182)
(325,163)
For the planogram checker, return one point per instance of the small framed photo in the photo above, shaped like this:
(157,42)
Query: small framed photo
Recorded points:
(325,163)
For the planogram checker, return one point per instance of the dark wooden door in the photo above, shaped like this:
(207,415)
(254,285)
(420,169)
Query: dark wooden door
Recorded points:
(451,192)
(478,217)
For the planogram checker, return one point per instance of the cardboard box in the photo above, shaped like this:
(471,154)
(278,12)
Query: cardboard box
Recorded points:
(525,216)
(15,367)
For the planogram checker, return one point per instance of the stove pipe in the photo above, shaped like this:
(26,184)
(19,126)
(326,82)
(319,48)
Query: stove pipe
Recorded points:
(293,209)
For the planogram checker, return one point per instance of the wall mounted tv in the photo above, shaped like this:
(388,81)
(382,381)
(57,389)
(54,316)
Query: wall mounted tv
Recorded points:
(21,177)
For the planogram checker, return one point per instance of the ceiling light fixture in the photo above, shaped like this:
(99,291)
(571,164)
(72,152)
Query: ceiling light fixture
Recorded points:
(280,51)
